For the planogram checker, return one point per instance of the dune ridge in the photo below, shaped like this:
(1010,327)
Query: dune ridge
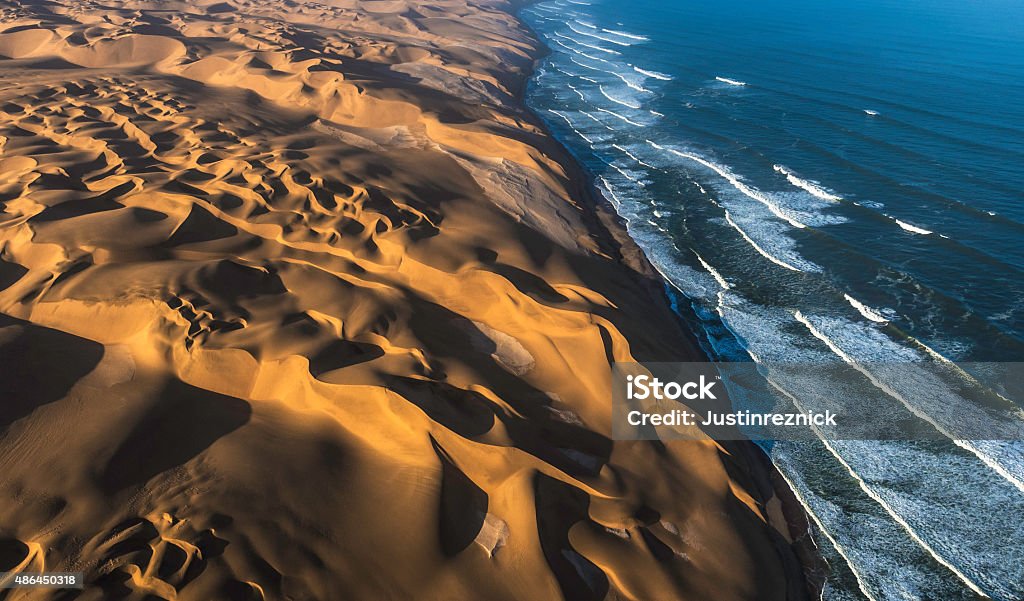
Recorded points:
(297,300)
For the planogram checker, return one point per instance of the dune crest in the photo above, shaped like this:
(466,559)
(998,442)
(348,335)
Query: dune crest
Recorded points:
(297,300)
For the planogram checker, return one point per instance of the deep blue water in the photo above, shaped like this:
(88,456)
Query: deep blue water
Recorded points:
(828,181)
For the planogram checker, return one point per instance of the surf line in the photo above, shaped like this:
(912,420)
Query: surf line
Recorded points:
(963,444)
(571,125)
(632,156)
(577,51)
(615,198)
(585,44)
(629,83)
(596,120)
(578,93)
(811,187)
(861,582)
(579,63)
(631,36)
(731,82)
(875,496)
(735,181)
(617,100)
(598,37)
(614,114)
(653,74)
(714,272)
(865,310)
(756,246)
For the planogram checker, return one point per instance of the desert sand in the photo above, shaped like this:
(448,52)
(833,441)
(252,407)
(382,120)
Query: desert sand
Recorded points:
(298,301)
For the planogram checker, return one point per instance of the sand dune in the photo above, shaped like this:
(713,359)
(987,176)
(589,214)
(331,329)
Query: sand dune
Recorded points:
(297,301)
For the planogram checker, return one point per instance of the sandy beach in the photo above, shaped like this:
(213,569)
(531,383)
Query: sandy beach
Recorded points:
(299,301)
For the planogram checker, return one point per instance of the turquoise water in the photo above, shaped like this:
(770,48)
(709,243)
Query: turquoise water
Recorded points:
(827,181)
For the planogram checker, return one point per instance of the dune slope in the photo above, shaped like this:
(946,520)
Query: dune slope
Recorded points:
(297,301)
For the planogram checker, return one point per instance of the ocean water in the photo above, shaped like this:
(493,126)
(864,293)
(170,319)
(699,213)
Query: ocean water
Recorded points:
(828,181)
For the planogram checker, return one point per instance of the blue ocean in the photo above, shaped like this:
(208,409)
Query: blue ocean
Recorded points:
(828,181)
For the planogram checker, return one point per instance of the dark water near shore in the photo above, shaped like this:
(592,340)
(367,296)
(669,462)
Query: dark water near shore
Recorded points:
(828,181)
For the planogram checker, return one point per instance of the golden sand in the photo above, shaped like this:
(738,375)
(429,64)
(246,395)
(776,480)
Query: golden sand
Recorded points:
(297,301)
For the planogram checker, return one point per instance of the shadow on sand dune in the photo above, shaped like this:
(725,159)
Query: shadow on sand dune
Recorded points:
(184,422)
(40,365)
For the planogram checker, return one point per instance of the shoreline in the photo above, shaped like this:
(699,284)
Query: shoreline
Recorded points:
(793,515)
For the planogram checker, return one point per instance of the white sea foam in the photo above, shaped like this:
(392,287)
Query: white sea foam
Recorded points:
(777,453)
(622,117)
(870,492)
(627,153)
(910,482)
(594,58)
(614,197)
(598,37)
(865,310)
(559,113)
(894,370)
(570,49)
(656,113)
(624,103)
(813,188)
(731,82)
(625,174)
(633,156)
(630,83)
(756,246)
(585,24)
(653,74)
(870,112)
(797,492)
(579,52)
(595,46)
(932,400)
(572,126)
(920,391)
(911,228)
(631,36)
(735,181)
(714,272)
(593,117)
(581,64)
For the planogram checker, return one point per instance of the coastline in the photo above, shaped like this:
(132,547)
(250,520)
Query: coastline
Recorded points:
(374,264)
(789,515)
